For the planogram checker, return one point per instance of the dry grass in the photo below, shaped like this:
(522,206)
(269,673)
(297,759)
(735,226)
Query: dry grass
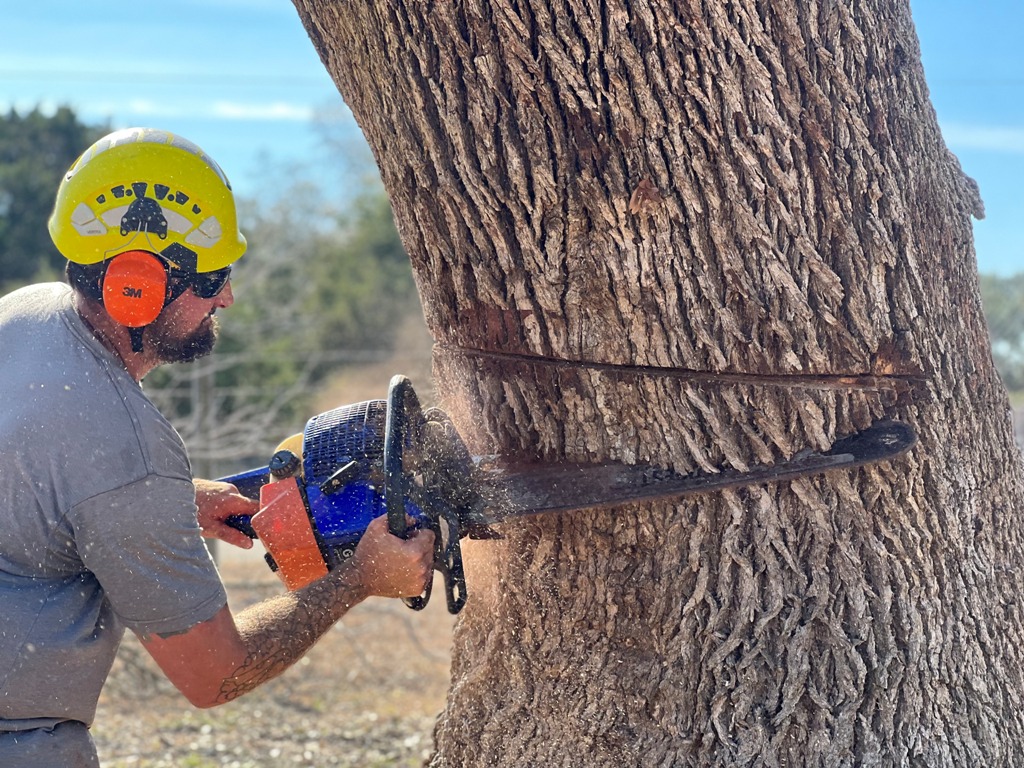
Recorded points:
(366,695)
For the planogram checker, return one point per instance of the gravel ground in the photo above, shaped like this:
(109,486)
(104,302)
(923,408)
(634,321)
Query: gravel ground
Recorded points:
(367,695)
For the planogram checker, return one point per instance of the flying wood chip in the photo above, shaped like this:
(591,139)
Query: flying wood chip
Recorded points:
(645,197)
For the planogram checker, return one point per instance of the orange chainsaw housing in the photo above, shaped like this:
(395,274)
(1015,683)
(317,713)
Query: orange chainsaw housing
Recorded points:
(286,531)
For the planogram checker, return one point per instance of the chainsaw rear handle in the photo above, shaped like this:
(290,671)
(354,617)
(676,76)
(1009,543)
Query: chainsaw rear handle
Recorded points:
(248,484)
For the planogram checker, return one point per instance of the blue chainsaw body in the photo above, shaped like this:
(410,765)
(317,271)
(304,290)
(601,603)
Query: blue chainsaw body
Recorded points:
(340,484)
(341,517)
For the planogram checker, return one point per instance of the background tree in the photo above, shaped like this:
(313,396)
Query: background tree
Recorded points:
(702,235)
(35,151)
(322,288)
(1003,299)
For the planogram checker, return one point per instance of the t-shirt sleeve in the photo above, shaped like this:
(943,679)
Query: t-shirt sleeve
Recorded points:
(143,544)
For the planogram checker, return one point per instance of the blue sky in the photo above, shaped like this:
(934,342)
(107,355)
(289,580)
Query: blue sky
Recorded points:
(241,78)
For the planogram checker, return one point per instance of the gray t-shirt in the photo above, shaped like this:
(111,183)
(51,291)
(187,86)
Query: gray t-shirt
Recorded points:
(98,527)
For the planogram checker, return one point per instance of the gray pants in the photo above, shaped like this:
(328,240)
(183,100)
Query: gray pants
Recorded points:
(66,745)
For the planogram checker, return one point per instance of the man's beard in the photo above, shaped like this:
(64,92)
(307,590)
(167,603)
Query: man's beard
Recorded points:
(187,348)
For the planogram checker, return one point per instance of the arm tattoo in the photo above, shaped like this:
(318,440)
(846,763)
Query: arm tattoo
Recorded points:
(279,631)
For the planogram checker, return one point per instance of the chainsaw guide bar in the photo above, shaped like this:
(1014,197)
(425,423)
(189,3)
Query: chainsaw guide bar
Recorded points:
(515,490)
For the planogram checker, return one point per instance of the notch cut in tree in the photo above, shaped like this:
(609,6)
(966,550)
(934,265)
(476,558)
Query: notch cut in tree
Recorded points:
(699,235)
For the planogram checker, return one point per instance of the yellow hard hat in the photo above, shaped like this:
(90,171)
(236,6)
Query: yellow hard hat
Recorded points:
(147,190)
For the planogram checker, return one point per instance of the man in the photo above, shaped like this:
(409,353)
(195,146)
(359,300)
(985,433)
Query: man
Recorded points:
(100,518)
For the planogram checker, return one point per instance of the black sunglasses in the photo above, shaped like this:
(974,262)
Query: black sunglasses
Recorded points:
(205,285)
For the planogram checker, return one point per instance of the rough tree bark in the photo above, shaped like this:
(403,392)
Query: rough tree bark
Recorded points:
(704,234)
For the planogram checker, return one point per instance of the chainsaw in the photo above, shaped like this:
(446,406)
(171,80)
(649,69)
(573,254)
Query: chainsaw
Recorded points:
(322,487)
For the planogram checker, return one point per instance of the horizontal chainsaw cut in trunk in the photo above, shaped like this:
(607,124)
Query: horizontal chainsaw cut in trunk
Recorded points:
(703,236)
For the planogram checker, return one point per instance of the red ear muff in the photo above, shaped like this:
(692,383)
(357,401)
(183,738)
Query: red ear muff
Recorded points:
(135,288)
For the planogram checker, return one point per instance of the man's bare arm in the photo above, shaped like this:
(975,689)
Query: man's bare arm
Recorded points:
(221,659)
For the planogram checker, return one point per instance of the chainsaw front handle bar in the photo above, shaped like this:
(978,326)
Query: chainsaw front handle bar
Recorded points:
(404,426)
(403,406)
(402,401)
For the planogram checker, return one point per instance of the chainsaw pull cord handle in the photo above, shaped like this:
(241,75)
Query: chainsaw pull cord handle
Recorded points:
(401,401)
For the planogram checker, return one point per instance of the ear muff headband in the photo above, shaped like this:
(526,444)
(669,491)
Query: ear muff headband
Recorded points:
(135,288)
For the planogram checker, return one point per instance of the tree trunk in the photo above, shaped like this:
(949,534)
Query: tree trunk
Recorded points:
(702,235)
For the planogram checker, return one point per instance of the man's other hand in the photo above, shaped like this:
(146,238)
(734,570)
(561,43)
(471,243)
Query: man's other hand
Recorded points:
(217,502)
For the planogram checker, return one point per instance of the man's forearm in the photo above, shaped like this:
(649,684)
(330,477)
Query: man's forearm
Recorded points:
(220,659)
(278,632)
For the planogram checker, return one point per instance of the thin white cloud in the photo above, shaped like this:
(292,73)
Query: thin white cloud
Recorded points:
(146,107)
(987,138)
(222,110)
(245,5)
(275,111)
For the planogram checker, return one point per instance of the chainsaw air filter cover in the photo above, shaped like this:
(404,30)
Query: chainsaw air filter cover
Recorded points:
(350,433)
(348,437)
